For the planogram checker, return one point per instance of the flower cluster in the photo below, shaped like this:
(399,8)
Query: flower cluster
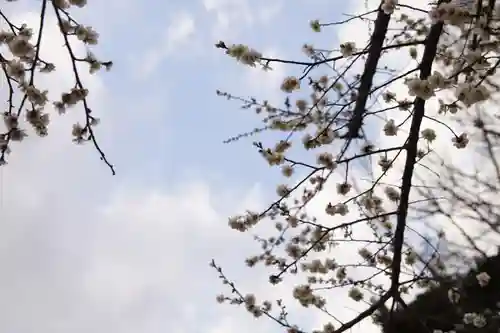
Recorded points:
(483,279)
(12,124)
(450,13)
(290,84)
(315,25)
(356,294)
(429,134)
(390,128)
(388,6)
(65,4)
(341,209)
(243,223)
(20,45)
(470,94)
(251,305)
(392,194)
(327,328)
(326,159)
(244,54)
(425,89)
(347,49)
(304,294)
(461,141)
(476,319)
(454,295)
(318,266)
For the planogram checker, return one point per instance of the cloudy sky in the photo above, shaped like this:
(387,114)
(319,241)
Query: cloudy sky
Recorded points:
(84,251)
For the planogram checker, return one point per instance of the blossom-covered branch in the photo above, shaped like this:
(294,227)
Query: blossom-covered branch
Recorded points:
(21,65)
(370,133)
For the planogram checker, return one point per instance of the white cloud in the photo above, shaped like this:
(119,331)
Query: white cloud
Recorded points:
(78,257)
(82,251)
(134,259)
(132,269)
(230,17)
(147,242)
(179,31)
(269,12)
(178,38)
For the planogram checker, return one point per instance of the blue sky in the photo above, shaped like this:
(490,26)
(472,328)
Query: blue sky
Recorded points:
(180,88)
(82,251)
(189,75)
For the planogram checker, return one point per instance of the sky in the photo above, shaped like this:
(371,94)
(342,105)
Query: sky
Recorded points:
(84,251)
